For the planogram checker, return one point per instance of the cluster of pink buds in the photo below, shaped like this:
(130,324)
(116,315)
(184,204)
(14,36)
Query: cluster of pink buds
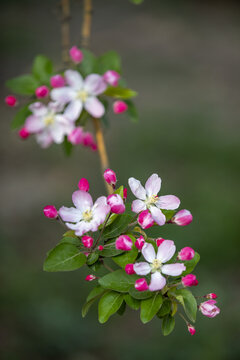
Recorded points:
(78,136)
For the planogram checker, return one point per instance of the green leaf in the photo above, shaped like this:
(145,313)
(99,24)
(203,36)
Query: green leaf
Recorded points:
(67,146)
(88,64)
(131,302)
(168,325)
(110,250)
(120,93)
(42,68)
(92,258)
(70,233)
(71,240)
(186,298)
(118,226)
(137,2)
(23,85)
(108,61)
(109,305)
(118,280)
(191,264)
(64,257)
(168,214)
(96,291)
(132,111)
(20,117)
(140,295)
(128,257)
(122,309)
(165,308)
(92,297)
(150,307)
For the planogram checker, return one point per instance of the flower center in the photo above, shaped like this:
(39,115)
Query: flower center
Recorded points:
(151,200)
(83,95)
(87,215)
(156,265)
(49,120)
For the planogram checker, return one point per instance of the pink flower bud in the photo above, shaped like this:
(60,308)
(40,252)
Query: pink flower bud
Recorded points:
(186,253)
(110,177)
(111,77)
(119,107)
(159,241)
(209,309)
(88,139)
(125,194)
(100,248)
(123,242)
(189,280)
(11,100)
(211,296)
(23,133)
(140,242)
(87,241)
(57,81)
(76,55)
(145,219)
(42,91)
(94,147)
(182,218)
(90,277)
(141,284)
(83,184)
(50,212)
(116,203)
(191,329)
(129,269)
(76,136)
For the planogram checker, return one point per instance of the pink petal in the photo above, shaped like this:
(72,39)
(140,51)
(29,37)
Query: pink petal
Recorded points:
(44,139)
(157,215)
(94,84)
(137,188)
(168,202)
(101,209)
(138,206)
(153,185)
(63,95)
(148,252)
(82,200)
(142,268)
(94,107)
(73,110)
(166,251)
(157,282)
(173,269)
(38,108)
(34,124)
(74,79)
(70,214)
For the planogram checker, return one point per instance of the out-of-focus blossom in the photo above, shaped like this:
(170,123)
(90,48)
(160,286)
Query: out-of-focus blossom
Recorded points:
(11,100)
(57,81)
(76,54)
(119,107)
(42,91)
(111,77)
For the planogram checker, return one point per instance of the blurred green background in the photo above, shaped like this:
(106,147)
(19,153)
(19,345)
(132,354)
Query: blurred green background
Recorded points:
(183,58)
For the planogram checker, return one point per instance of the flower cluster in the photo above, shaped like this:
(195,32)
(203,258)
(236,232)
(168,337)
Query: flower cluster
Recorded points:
(153,275)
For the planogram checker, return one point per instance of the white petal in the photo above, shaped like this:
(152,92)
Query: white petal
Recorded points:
(94,107)
(73,110)
(137,188)
(63,95)
(94,84)
(55,106)
(138,206)
(70,214)
(38,108)
(74,79)
(44,139)
(80,228)
(148,252)
(82,200)
(153,185)
(57,132)
(157,282)
(166,251)
(100,210)
(168,202)
(142,268)
(173,269)
(157,215)
(34,124)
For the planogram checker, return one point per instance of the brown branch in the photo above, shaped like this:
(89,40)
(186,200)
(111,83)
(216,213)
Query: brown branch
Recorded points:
(65,30)
(87,22)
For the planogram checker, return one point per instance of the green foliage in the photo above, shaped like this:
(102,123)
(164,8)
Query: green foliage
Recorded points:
(92,297)
(71,240)
(122,309)
(150,307)
(140,295)
(120,92)
(188,301)
(20,117)
(108,61)
(168,213)
(67,146)
(64,257)
(132,111)
(92,258)
(118,226)
(165,308)
(42,69)
(191,264)
(108,305)
(131,302)
(137,2)
(88,64)
(110,251)
(168,325)
(118,281)
(23,85)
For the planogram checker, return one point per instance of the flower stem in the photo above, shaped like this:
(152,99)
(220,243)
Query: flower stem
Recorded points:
(100,235)
(65,30)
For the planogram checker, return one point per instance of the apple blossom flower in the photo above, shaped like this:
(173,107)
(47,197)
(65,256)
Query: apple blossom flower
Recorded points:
(76,55)
(80,94)
(129,269)
(211,296)
(116,203)
(182,218)
(83,184)
(119,107)
(48,125)
(145,219)
(110,177)
(11,100)
(155,264)
(100,248)
(42,91)
(57,81)
(189,280)
(76,136)
(85,216)
(209,309)
(148,198)
(90,277)
(159,241)
(87,241)
(141,284)
(111,77)
(140,242)
(191,329)
(50,212)
(123,242)
(23,133)
(186,253)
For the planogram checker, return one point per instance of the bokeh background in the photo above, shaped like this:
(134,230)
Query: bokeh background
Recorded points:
(183,57)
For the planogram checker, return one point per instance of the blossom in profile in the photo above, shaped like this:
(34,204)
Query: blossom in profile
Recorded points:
(50,212)
(110,177)
(209,309)
(182,218)
(123,242)
(85,216)
(191,329)
(76,54)
(116,203)
(189,280)
(186,254)
(156,264)
(147,198)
